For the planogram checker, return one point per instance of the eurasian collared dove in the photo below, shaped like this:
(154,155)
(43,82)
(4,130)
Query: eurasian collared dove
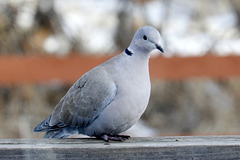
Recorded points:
(110,98)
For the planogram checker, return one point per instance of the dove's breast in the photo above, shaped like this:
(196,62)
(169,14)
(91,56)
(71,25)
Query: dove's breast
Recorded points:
(133,92)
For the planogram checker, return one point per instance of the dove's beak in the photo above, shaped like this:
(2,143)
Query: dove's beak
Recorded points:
(159,48)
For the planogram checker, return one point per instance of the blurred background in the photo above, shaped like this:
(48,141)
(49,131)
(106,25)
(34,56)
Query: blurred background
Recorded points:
(201,104)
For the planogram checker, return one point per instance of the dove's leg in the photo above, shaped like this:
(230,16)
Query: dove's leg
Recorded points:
(108,138)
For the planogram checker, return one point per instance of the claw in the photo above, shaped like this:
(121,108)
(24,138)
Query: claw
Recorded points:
(108,138)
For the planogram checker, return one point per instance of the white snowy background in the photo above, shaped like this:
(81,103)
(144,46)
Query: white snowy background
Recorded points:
(188,27)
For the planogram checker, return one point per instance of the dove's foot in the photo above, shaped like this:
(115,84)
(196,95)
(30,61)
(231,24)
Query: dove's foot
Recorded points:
(108,138)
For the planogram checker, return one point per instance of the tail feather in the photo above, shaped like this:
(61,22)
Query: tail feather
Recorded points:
(59,130)
(60,133)
(44,126)
(54,134)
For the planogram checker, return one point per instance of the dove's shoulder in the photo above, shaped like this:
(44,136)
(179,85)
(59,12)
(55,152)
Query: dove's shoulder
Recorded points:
(86,99)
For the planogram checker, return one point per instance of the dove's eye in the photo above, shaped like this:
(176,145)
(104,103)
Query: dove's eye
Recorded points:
(145,37)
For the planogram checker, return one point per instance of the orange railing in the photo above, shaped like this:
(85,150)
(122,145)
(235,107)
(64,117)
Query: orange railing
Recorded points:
(34,69)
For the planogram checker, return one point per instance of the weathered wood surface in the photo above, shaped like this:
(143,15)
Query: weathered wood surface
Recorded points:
(184,147)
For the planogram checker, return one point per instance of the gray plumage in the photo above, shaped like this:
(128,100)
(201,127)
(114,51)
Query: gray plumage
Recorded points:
(110,98)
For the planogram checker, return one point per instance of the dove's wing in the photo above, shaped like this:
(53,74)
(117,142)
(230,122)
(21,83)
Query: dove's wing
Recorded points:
(85,100)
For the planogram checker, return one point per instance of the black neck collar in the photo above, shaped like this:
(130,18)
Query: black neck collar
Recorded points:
(128,52)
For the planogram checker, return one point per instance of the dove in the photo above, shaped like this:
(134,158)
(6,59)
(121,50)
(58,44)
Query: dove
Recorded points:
(110,98)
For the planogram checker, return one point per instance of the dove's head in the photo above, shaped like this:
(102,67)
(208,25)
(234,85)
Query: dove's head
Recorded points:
(145,40)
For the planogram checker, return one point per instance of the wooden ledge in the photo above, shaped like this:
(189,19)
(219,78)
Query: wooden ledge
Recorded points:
(183,147)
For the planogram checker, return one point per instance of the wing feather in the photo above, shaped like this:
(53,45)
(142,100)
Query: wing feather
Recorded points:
(85,100)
